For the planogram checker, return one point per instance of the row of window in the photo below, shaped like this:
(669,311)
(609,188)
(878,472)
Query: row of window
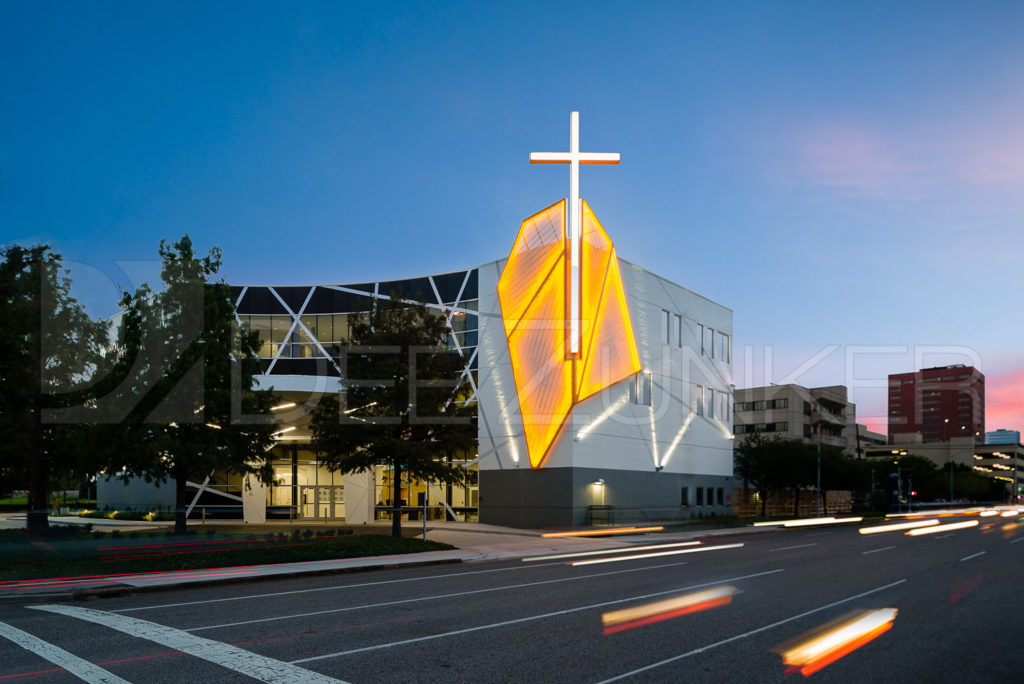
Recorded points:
(714,344)
(706,401)
(761,427)
(710,403)
(331,330)
(713,494)
(761,405)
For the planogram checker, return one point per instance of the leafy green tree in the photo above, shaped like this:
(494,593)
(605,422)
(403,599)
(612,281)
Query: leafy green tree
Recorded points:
(402,404)
(49,351)
(761,463)
(185,405)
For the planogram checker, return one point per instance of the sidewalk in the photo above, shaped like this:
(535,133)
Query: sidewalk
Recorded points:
(473,542)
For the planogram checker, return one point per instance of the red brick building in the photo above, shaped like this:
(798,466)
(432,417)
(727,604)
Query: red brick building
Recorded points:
(940,403)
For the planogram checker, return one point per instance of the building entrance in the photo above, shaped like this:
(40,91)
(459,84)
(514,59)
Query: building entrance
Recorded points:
(324,502)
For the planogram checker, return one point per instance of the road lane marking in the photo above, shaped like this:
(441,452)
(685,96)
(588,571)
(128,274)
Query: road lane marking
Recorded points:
(1017,540)
(432,597)
(884,548)
(752,632)
(973,555)
(530,618)
(798,546)
(943,536)
(336,587)
(245,662)
(80,668)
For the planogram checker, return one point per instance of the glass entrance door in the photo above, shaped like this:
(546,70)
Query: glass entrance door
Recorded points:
(326,502)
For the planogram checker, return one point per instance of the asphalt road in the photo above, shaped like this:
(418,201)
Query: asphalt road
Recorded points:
(958,595)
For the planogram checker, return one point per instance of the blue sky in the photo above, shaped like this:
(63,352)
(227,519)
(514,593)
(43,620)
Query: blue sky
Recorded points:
(844,176)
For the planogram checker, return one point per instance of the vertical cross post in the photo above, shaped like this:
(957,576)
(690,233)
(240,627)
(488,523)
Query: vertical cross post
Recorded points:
(574,158)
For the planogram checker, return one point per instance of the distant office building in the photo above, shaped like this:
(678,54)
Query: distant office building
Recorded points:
(940,403)
(1002,436)
(793,411)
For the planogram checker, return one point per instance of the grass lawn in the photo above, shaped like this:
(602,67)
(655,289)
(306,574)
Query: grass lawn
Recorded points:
(77,552)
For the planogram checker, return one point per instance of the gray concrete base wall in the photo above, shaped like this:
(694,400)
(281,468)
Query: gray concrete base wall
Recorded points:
(138,495)
(567,497)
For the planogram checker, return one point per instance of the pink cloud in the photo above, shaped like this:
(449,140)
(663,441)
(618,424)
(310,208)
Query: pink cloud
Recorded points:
(1004,401)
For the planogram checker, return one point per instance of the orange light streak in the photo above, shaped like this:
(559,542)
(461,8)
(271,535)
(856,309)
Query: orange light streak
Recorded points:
(628,549)
(613,530)
(943,528)
(894,527)
(824,645)
(667,609)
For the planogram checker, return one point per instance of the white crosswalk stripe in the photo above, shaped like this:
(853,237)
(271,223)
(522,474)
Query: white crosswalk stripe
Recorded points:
(82,669)
(245,662)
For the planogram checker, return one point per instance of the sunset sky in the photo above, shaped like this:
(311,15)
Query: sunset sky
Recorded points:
(847,177)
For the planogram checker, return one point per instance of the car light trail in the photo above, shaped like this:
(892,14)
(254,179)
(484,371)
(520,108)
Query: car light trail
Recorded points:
(943,528)
(805,522)
(820,647)
(666,609)
(614,530)
(894,527)
(605,551)
(638,556)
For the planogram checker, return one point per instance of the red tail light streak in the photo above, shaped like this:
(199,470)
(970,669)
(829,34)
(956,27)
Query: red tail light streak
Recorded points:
(667,609)
(824,645)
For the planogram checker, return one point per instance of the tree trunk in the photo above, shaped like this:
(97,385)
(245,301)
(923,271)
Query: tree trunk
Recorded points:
(38,521)
(396,503)
(180,504)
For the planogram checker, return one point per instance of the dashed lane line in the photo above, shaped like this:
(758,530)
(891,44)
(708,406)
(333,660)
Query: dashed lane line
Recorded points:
(798,546)
(245,662)
(433,597)
(83,669)
(884,548)
(973,555)
(530,618)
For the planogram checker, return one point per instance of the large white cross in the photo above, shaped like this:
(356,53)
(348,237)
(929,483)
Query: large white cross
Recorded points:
(574,158)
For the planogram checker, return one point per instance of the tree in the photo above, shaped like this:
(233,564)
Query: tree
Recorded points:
(186,373)
(402,403)
(759,462)
(49,351)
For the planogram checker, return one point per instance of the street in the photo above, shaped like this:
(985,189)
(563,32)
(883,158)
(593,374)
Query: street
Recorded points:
(956,594)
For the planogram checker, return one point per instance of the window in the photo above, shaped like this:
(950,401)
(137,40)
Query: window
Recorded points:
(700,496)
(708,346)
(678,327)
(780,403)
(720,495)
(709,402)
(722,347)
(741,429)
(759,405)
(640,390)
(665,327)
(782,427)
(684,496)
(698,399)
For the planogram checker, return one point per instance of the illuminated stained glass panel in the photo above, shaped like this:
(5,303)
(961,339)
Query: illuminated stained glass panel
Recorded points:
(532,293)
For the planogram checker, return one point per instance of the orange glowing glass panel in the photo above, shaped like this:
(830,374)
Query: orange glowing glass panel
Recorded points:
(533,292)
